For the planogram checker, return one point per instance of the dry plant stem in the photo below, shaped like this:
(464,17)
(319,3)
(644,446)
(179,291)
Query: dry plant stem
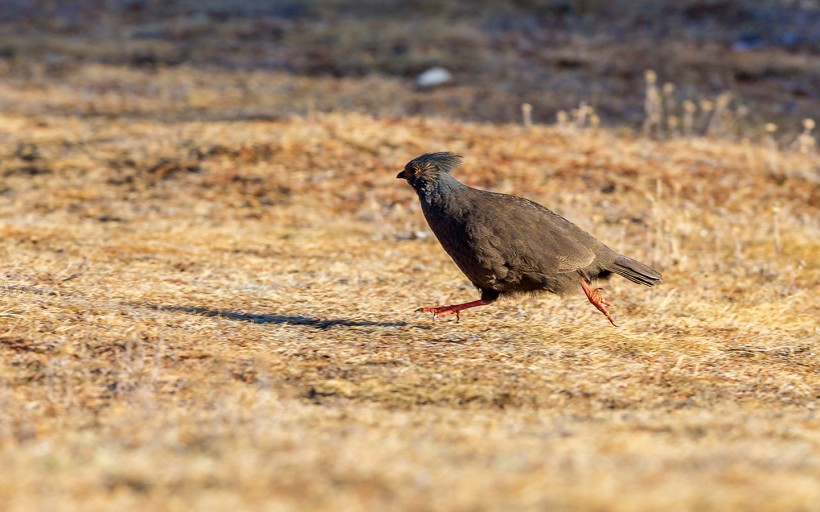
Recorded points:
(526,114)
(454,308)
(598,301)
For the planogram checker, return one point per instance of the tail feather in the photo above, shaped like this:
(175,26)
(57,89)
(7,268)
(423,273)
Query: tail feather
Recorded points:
(635,271)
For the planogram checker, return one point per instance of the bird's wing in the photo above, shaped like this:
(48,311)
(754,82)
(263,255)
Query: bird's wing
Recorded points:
(523,235)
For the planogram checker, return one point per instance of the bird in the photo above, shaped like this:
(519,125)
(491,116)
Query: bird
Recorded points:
(509,245)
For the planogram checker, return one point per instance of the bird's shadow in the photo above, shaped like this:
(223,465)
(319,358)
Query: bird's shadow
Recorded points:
(272,318)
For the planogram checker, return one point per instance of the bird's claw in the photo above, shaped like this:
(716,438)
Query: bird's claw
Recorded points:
(454,308)
(599,302)
(596,296)
(441,311)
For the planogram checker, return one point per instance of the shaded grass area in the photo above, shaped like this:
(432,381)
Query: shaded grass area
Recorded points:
(220,314)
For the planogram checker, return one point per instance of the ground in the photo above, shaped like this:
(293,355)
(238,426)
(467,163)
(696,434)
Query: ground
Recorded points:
(210,311)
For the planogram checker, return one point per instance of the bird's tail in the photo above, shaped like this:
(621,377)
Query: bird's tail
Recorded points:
(635,271)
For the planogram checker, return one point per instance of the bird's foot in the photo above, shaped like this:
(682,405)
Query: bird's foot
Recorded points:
(441,311)
(452,309)
(597,297)
(599,302)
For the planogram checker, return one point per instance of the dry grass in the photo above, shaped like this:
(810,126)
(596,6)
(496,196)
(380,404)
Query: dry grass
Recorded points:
(208,304)
(220,314)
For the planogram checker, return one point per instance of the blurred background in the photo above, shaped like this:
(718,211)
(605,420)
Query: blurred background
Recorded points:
(746,63)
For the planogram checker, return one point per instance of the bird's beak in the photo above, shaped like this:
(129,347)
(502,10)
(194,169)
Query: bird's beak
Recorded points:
(402,175)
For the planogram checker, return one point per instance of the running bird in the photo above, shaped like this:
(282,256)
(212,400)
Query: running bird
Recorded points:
(506,244)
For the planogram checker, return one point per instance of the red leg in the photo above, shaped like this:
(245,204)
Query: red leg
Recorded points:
(597,301)
(455,308)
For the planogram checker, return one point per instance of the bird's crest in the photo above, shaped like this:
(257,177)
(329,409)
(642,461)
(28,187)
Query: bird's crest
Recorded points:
(444,161)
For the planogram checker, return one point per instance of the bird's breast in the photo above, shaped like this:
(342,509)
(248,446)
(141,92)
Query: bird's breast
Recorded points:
(454,229)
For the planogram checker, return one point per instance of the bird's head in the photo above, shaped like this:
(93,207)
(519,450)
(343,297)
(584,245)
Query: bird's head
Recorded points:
(428,169)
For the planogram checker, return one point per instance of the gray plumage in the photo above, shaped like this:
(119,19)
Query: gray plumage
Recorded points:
(508,244)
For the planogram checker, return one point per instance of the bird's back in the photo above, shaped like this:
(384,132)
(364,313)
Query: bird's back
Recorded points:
(511,244)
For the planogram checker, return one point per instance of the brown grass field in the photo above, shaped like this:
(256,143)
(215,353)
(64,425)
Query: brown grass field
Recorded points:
(204,310)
